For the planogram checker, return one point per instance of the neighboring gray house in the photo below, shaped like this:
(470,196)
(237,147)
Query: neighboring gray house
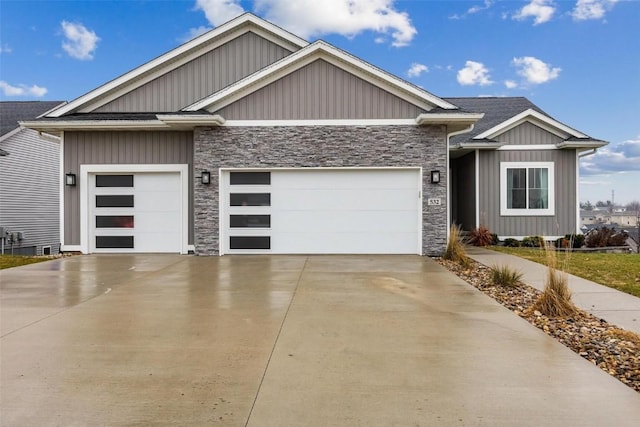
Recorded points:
(29,182)
(249,139)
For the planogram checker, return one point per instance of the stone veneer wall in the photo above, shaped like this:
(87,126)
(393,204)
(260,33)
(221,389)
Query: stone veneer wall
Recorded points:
(319,146)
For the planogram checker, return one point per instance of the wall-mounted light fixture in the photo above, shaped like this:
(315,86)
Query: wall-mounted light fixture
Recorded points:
(205,177)
(70,179)
(435,177)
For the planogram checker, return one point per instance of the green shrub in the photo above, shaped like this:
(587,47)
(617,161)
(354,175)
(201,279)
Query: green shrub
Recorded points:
(533,242)
(494,239)
(576,239)
(505,276)
(480,236)
(511,243)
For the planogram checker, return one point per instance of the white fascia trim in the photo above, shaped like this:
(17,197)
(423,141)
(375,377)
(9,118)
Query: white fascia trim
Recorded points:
(532,147)
(450,118)
(476,146)
(581,144)
(164,64)
(12,133)
(85,170)
(303,57)
(196,120)
(538,119)
(94,125)
(332,122)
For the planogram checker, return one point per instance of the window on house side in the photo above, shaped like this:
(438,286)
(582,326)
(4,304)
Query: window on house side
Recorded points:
(526,188)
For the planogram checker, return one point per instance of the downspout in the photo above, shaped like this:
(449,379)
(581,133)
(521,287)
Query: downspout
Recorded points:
(578,157)
(449,135)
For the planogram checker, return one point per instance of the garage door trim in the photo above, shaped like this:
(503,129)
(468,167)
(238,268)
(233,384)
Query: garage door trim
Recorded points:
(86,170)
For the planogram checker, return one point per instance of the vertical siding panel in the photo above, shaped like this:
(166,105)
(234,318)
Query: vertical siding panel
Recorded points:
(321,91)
(120,148)
(192,81)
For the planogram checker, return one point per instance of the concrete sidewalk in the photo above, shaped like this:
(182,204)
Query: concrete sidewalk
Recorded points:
(615,307)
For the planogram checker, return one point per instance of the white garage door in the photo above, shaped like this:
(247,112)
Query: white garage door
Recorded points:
(351,211)
(135,212)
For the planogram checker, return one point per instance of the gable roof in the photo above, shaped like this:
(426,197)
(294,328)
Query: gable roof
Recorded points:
(505,113)
(333,55)
(178,57)
(11,112)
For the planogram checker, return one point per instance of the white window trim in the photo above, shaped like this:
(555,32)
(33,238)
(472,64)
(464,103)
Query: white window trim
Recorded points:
(504,211)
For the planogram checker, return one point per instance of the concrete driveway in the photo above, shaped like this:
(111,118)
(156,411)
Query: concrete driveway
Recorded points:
(281,341)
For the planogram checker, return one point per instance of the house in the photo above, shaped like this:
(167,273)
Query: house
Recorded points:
(517,171)
(29,178)
(249,139)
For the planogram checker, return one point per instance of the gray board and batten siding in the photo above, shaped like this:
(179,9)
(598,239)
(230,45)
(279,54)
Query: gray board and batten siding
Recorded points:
(320,91)
(130,147)
(29,202)
(528,134)
(200,77)
(564,220)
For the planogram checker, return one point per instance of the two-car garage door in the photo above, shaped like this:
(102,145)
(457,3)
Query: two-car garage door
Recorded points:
(321,211)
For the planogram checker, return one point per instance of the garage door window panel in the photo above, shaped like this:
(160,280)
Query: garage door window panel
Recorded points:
(114,181)
(250,221)
(114,221)
(250,178)
(114,242)
(250,242)
(115,201)
(250,199)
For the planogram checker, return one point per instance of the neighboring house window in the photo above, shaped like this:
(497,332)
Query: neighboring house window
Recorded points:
(526,188)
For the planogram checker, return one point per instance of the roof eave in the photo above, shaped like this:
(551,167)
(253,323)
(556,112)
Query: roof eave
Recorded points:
(454,121)
(577,144)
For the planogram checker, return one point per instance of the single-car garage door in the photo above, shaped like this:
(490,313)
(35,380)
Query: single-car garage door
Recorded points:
(321,211)
(135,212)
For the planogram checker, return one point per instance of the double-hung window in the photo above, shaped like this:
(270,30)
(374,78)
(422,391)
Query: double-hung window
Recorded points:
(526,188)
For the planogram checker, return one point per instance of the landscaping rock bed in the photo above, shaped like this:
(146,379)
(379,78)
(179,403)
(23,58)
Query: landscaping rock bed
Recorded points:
(614,350)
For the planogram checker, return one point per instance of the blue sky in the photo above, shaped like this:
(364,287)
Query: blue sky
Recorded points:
(578,60)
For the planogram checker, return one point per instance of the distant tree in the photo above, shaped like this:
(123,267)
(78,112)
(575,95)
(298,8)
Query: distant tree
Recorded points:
(586,206)
(633,206)
(602,204)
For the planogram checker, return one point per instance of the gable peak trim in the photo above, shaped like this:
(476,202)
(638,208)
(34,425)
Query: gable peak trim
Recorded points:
(536,118)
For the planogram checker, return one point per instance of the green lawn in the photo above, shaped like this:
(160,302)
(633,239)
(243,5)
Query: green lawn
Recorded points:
(8,261)
(619,271)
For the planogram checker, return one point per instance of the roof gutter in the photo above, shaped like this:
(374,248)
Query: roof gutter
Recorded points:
(163,122)
(458,122)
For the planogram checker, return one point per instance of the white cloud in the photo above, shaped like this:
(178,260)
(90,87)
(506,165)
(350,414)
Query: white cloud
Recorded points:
(541,10)
(194,32)
(416,69)
(534,71)
(81,42)
(307,18)
(5,48)
(614,158)
(510,84)
(474,9)
(219,11)
(22,90)
(474,73)
(592,9)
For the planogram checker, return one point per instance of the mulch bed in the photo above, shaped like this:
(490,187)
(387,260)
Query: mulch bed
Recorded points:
(614,350)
